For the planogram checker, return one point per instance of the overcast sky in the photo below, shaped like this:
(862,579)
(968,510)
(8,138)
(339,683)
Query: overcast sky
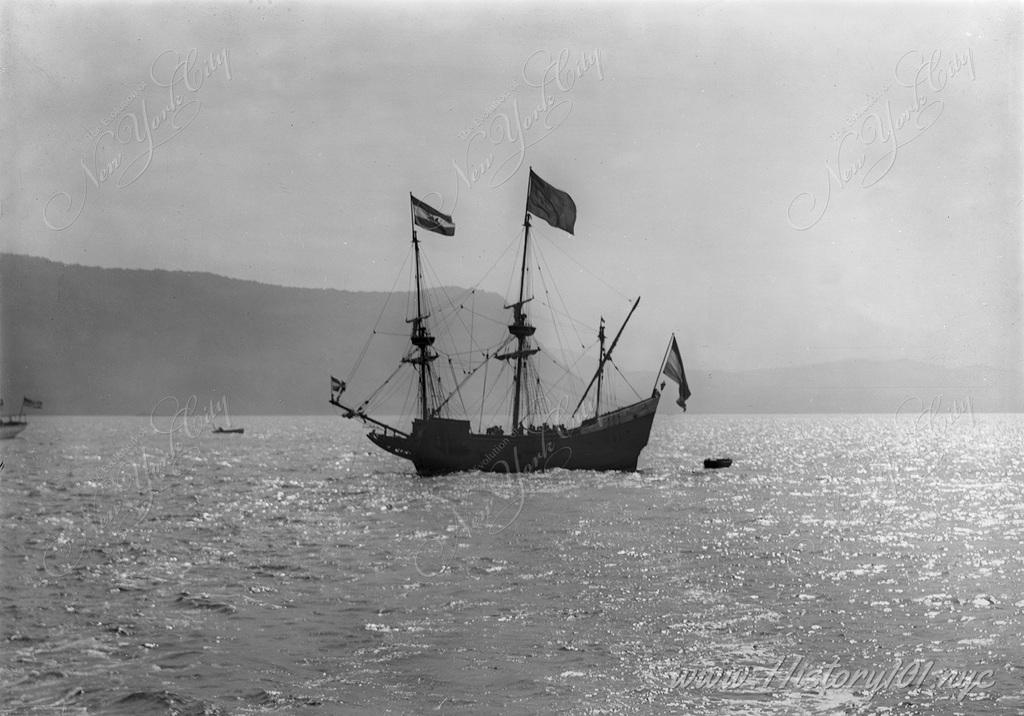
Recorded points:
(783,184)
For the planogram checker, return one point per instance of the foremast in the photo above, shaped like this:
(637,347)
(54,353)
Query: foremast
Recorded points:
(421,337)
(424,215)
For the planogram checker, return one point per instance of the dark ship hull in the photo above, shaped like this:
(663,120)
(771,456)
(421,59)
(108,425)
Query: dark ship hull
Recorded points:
(612,441)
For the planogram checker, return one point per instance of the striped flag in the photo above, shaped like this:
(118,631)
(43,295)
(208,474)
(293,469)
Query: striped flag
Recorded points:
(429,218)
(674,370)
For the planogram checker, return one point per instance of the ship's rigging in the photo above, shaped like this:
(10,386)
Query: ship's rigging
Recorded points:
(480,380)
(540,430)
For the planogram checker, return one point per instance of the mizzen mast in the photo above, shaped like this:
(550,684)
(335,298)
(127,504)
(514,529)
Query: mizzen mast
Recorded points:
(606,355)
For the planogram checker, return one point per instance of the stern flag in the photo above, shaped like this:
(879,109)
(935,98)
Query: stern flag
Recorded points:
(674,370)
(337,388)
(29,403)
(429,218)
(553,205)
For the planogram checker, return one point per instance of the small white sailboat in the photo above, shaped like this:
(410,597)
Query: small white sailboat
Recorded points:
(12,425)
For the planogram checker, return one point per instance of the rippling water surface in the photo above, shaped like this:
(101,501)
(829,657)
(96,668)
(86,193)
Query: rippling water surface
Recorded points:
(297,569)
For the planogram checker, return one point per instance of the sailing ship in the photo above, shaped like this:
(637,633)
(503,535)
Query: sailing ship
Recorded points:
(217,429)
(12,425)
(438,443)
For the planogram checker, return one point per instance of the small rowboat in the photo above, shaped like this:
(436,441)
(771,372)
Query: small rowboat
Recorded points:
(718,462)
(226,431)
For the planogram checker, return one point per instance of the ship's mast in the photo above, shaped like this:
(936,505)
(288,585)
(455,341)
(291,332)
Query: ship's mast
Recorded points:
(600,373)
(421,337)
(605,357)
(521,330)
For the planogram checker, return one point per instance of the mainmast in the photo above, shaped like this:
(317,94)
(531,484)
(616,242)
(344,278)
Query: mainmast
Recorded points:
(558,209)
(522,331)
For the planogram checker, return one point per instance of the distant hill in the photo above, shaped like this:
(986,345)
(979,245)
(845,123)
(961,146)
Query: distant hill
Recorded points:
(855,386)
(113,341)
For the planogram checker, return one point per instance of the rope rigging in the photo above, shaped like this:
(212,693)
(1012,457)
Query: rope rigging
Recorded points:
(460,339)
(366,345)
(624,378)
(588,271)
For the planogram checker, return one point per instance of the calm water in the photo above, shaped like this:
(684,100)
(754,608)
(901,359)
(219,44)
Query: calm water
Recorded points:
(297,569)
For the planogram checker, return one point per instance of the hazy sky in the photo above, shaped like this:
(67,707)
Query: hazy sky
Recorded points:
(782,183)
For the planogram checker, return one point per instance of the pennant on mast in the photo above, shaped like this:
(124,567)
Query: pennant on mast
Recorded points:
(553,205)
(427,217)
(674,370)
(337,388)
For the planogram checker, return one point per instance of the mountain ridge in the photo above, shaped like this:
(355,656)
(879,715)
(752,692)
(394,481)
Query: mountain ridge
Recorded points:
(92,340)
